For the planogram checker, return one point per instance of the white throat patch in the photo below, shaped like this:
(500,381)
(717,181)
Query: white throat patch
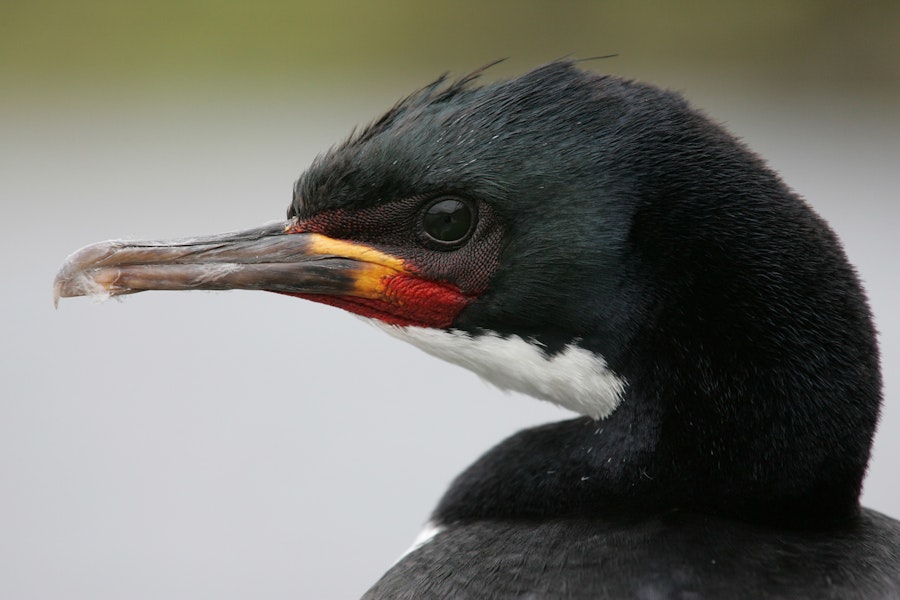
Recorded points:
(573,378)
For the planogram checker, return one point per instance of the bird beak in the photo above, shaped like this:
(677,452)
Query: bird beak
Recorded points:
(272,258)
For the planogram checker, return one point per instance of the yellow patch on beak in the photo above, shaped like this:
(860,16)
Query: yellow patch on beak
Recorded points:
(374,269)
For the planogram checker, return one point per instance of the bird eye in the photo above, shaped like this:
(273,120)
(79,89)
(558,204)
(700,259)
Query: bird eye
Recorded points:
(448,221)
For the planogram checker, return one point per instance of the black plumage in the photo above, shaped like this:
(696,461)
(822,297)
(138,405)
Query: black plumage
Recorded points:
(654,556)
(641,230)
(612,217)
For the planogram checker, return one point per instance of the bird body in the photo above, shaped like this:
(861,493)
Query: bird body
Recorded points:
(649,556)
(599,244)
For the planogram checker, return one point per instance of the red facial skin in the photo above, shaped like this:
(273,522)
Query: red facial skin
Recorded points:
(396,296)
(423,304)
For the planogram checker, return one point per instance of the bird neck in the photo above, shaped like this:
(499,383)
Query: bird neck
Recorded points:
(744,397)
(632,463)
(755,369)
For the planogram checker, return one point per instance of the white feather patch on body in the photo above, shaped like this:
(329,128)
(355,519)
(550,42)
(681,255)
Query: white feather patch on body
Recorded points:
(574,378)
(428,532)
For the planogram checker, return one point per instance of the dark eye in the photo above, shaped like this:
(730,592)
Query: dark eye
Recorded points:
(448,221)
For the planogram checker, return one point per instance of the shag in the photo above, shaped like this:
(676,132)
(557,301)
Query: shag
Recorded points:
(600,244)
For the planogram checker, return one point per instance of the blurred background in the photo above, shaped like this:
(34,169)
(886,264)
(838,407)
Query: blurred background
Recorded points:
(241,445)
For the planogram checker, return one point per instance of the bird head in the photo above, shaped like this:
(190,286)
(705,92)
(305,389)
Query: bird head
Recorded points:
(590,241)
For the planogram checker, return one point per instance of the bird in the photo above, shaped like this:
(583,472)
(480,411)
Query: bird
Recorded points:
(601,244)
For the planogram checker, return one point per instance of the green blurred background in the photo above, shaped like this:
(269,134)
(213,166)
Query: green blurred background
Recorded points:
(144,45)
(248,445)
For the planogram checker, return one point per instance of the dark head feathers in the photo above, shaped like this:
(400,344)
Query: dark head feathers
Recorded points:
(437,92)
(458,134)
(639,229)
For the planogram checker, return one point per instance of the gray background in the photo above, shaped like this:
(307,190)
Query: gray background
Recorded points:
(235,445)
